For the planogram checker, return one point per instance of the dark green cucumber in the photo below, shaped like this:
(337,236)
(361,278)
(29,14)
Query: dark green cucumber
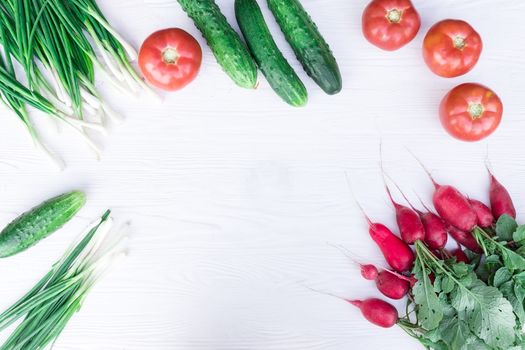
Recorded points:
(308,44)
(38,223)
(276,69)
(224,42)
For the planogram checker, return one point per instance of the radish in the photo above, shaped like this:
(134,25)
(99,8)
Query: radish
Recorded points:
(369,272)
(460,255)
(500,200)
(436,230)
(484,214)
(377,311)
(451,205)
(396,252)
(454,208)
(408,221)
(392,285)
(436,235)
(466,239)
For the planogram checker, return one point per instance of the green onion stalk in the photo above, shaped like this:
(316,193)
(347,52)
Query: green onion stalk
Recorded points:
(47,308)
(59,46)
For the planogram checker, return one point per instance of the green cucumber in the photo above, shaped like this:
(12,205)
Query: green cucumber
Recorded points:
(38,223)
(308,44)
(280,75)
(224,42)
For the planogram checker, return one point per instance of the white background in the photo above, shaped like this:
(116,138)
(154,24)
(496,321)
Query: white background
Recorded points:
(235,197)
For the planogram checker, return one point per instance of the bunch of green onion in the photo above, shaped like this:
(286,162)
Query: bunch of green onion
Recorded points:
(59,45)
(46,309)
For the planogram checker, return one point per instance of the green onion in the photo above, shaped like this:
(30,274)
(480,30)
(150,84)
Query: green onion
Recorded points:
(46,309)
(58,44)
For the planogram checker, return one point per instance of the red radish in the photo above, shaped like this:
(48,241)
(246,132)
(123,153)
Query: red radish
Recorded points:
(391,285)
(408,221)
(454,207)
(396,252)
(451,205)
(369,272)
(466,239)
(460,255)
(377,311)
(436,235)
(436,231)
(484,214)
(500,200)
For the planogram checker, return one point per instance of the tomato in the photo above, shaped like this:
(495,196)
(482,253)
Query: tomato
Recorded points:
(390,24)
(170,59)
(471,112)
(451,48)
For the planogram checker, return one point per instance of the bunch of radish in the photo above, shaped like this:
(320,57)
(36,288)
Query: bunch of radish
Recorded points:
(430,276)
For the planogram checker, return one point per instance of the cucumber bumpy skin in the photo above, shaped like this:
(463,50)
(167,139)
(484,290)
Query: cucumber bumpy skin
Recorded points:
(38,223)
(280,75)
(223,40)
(308,44)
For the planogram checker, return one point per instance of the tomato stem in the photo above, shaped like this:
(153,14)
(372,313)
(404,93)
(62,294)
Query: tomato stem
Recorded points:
(475,110)
(170,56)
(394,16)
(459,43)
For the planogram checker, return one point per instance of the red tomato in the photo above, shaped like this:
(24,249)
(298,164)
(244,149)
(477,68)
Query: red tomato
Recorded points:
(170,59)
(451,48)
(390,24)
(471,112)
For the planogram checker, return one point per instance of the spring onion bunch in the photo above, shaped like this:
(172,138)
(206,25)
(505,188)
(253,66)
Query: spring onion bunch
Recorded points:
(59,46)
(46,309)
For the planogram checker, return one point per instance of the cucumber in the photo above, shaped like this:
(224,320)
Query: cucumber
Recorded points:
(276,69)
(223,41)
(308,44)
(38,223)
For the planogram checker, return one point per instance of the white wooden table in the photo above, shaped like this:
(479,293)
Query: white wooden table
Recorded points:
(235,197)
